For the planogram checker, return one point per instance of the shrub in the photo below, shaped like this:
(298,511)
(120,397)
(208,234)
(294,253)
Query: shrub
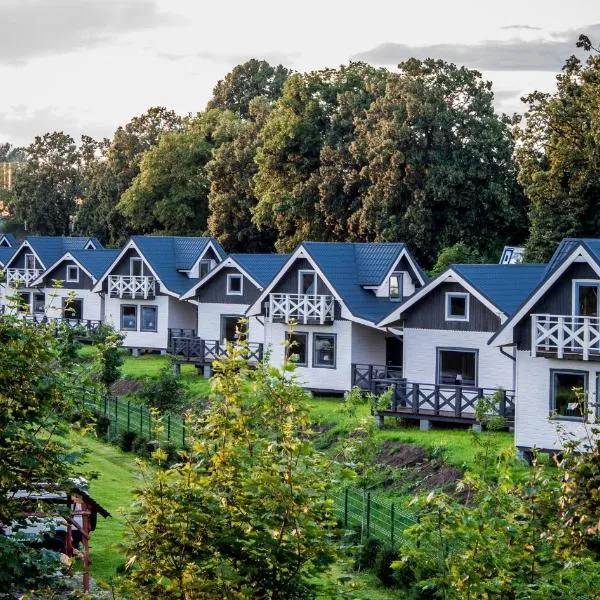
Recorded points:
(367,554)
(101,424)
(165,393)
(127,440)
(383,565)
(141,446)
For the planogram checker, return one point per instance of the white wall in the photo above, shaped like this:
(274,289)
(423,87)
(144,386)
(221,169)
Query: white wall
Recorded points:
(209,320)
(408,287)
(182,314)
(93,303)
(368,345)
(533,428)
(338,379)
(420,356)
(142,339)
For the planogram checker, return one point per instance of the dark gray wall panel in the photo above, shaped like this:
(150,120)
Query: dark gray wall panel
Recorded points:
(216,289)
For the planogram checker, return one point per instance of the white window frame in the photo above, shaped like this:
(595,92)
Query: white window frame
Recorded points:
(303,272)
(400,276)
(72,279)
(205,261)
(230,277)
(133,260)
(90,246)
(448,297)
(32,255)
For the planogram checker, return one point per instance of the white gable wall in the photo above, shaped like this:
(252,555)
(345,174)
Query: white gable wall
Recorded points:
(368,345)
(209,321)
(93,303)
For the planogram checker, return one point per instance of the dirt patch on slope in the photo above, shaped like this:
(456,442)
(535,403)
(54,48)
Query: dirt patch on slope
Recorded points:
(123,387)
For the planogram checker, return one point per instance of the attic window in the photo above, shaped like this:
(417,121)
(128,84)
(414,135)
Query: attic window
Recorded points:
(457,306)
(234,285)
(73,273)
(395,289)
(4,243)
(205,268)
(90,246)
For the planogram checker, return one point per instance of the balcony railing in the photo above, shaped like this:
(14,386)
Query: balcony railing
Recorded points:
(21,277)
(203,352)
(565,336)
(131,286)
(308,309)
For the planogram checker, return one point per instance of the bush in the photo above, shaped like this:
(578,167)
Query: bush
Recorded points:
(367,554)
(143,446)
(166,393)
(127,440)
(101,424)
(383,565)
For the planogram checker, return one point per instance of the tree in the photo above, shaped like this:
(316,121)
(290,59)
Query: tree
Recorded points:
(230,173)
(437,164)
(247,81)
(307,182)
(47,185)
(245,512)
(558,155)
(458,253)
(109,168)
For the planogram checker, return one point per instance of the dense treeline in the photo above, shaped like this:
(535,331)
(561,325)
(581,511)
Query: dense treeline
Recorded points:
(354,153)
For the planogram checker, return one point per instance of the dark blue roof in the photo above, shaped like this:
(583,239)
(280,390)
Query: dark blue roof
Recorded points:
(12,240)
(261,267)
(349,266)
(506,286)
(95,261)
(6,255)
(167,254)
(567,245)
(50,248)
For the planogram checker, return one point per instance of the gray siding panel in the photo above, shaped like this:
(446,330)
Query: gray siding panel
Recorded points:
(558,300)
(19,259)
(60,272)
(216,289)
(430,312)
(288,284)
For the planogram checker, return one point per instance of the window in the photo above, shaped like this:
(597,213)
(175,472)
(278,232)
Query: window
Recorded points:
(586,298)
(4,243)
(234,285)
(128,317)
(73,273)
(230,326)
(30,261)
(297,348)
(73,308)
(24,301)
(307,282)
(136,267)
(90,246)
(149,318)
(39,303)
(457,306)
(395,291)
(457,367)
(205,268)
(324,350)
(563,399)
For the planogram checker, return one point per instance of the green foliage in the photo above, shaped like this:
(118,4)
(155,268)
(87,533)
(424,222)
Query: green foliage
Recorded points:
(558,155)
(127,440)
(458,253)
(164,393)
(386,556)
(366,555)
(245,512)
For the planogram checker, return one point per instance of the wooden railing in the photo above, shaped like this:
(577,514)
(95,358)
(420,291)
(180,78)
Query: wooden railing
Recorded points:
(560,335)
(89,325)
(370,377)
(21,277)
(198,350)
(131,286)
(301,308)
(181,333)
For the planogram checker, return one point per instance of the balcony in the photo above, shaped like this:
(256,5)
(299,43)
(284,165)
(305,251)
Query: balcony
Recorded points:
(307,309)
(131,286)
(21,277)
(565,336)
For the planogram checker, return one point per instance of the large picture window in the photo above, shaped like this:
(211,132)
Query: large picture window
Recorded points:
(128,317)
(564,402)
(149,318)
(73,308)
(39,302)
(297,348)
(230,326)
(457,306)
(324,348)
(457,367)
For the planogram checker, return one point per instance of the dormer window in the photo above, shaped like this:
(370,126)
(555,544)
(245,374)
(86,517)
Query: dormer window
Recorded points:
(72,274)
(205,268)
(457,306)
(30,261)
(4,243)
(136,267)
(307,283)
(395,287)
(90,246)
(234,285)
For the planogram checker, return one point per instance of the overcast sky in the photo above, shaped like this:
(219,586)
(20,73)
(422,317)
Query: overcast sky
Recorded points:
(88,66)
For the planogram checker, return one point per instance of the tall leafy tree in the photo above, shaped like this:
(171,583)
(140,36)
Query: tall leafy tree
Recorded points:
(438,164)
(558,155)
(230,172)
(247,81)
(109,168)
(47,185)
(307,181)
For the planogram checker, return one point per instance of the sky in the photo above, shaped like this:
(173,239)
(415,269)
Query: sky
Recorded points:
(88,66)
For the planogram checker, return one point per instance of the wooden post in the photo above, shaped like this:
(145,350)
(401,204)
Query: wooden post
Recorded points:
(436,400)
(458,401)
(415,398)
(502,407)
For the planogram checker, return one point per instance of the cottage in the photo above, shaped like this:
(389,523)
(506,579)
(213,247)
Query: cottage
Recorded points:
(144,284)
(327,299)
(556,335)
(8,245)
(448,364)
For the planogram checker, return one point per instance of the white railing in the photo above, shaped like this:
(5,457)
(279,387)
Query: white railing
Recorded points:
(21,277)
(302,308)
(565,334)
(131,286)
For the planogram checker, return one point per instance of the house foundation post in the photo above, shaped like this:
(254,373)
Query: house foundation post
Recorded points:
(207,371)
(176,368)
(163,352)
(135,352)
(424,424)
(477,428)
(380,421)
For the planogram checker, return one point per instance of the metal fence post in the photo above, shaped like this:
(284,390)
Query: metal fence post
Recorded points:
(346,507)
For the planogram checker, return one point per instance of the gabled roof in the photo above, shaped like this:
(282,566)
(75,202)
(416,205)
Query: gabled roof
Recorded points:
(10,238)
(5,255)
(261,267)
(188,249)
(499,287)
(566,247)
(49,249)
(346,268)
